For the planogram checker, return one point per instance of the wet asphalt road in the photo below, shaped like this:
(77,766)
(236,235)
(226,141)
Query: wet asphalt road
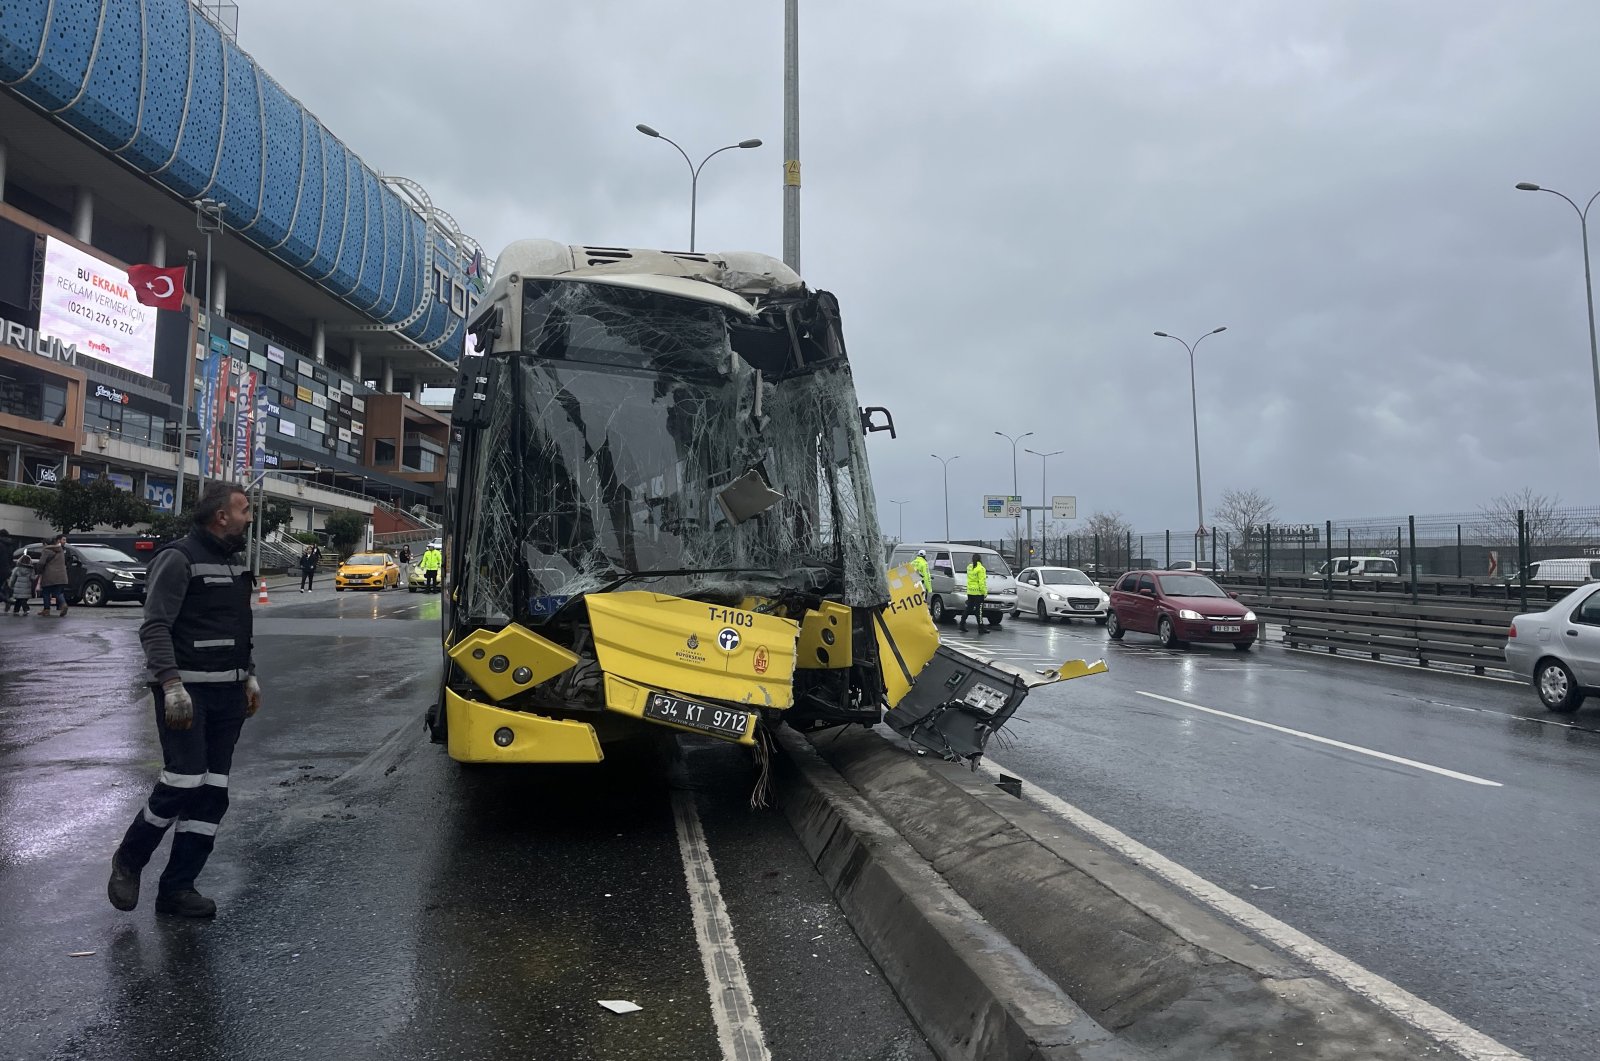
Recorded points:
(1477,898)
(377,900)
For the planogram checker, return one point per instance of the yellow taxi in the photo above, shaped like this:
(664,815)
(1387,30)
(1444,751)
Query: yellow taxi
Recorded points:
(367,571)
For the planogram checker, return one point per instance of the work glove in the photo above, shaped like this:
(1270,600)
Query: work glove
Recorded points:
(177,704)
(252,696)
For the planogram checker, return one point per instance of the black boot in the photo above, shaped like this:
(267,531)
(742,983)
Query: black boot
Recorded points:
(123,887)
(189,903)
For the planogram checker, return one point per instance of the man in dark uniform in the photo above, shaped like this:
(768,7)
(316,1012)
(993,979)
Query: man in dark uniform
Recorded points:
(196,640)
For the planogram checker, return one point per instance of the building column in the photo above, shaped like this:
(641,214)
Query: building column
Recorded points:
(158,247)
(83,214)
(416,389)
(355,360)
(219,288)
(319,341)
(386,379)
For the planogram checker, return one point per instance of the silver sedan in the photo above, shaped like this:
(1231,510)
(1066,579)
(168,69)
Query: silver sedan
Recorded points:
(1558,650)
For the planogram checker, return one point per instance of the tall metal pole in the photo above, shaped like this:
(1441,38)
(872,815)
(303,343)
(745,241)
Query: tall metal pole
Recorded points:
(791,136)
(902,507)
(185,381)
(694,170)
(946,462)
(1194,409)
(1044,502)
(203,445)
(1588,286)
(1016,521)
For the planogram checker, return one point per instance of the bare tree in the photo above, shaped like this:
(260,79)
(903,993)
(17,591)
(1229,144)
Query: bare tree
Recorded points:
(1111,530)
(1243,513)
(1546,524)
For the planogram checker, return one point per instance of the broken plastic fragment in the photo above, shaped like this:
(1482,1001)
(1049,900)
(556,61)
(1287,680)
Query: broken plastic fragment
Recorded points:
(618,1005)
(747,497)
(79,953)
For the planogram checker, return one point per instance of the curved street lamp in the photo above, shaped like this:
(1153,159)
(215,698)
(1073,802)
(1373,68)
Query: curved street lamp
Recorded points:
(1194,410)
(946,462)
(1016,521)
(694,171)
(1044,501)
(1588,283)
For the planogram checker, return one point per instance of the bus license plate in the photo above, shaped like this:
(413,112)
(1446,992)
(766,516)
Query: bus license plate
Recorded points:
(1225,629)
(718,720)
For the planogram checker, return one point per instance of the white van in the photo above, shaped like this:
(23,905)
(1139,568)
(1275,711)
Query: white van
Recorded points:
(947,564)
(1360,567)
(1566,572)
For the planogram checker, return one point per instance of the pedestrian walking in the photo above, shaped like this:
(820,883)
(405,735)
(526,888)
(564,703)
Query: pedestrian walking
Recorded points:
(196,640)
(431,563)
(7,547)
(53,575)
(405,566)
(977,590)
(21,584)
(308,569)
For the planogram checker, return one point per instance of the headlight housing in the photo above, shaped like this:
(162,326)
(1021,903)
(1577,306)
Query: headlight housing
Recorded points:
(1188,613)
(1249,617)
(1053,595)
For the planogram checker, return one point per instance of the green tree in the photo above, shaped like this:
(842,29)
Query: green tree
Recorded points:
(274,514)
(346,529)
(79,506)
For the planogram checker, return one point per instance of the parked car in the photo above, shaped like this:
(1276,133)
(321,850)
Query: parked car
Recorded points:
(947,565)
(1061,593)
(1203,566)
(1558,650)
(98,574)
(1562,572)
(418,581)
(1179,608)
(367,571)
(1360,567)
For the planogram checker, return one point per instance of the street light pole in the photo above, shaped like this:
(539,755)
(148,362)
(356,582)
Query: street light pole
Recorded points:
(791,134)
(1016,521)
(1588,283)
(1194,410)
(902,504)
(694,171)
(208,218)
(946,462)
(1044,502)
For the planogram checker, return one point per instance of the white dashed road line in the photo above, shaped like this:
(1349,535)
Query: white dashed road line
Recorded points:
(1358,749)
(1394,999)
(733,1005)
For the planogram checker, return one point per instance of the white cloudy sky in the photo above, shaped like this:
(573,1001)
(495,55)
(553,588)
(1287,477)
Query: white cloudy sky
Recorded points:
(1009,198)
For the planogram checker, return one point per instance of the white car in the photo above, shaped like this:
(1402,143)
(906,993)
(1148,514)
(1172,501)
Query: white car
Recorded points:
(1558,650)
(1064,593)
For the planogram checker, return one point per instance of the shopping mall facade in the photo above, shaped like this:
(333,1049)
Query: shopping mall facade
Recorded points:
(338,294)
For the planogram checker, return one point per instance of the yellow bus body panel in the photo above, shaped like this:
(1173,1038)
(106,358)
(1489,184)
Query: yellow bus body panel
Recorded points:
(535,739)
(907,638)
(700,650)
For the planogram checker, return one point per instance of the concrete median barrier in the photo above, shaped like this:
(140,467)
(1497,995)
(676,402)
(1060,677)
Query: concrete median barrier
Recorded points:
(1009,935)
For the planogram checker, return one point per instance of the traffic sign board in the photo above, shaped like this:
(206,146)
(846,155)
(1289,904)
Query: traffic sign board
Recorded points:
(1002,506)
(1063,507)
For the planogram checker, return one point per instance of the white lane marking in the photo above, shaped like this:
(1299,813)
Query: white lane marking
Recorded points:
(1396,1000)
(1358,749)
(733,1005)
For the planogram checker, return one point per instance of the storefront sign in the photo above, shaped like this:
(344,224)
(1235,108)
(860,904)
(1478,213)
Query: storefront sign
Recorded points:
(43,474)
(121,480)
(274,354)
(303,393)
(238,337)
(111,394)
(31,340)
(160,493)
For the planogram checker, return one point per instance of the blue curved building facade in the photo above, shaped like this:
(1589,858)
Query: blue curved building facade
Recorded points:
(157,85)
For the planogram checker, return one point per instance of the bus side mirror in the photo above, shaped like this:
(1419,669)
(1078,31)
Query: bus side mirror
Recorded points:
(869,425)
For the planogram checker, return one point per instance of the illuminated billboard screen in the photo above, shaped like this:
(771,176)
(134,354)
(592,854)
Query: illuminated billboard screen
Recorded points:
(88,303)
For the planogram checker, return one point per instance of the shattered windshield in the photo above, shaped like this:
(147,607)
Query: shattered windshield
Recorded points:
(611,446)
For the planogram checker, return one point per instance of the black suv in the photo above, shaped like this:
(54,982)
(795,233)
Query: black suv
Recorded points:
(97,574)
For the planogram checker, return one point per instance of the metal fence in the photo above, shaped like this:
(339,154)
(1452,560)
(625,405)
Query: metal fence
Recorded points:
(1477,545)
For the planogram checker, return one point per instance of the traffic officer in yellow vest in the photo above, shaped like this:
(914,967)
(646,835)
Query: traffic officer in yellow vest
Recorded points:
(431,563)
(196,640)
(919,564)
(977,590)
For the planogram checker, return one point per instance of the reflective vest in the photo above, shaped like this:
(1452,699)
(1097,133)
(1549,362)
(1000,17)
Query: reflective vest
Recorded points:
(919,564)
(212,633)
(977,580)
(430,560)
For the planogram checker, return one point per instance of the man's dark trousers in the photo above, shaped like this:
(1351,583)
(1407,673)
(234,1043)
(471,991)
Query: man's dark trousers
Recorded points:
(192,791)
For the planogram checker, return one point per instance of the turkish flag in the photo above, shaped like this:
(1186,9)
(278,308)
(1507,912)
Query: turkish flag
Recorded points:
(154,286)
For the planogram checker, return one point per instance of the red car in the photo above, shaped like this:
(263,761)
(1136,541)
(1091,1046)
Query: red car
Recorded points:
(1179,607)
